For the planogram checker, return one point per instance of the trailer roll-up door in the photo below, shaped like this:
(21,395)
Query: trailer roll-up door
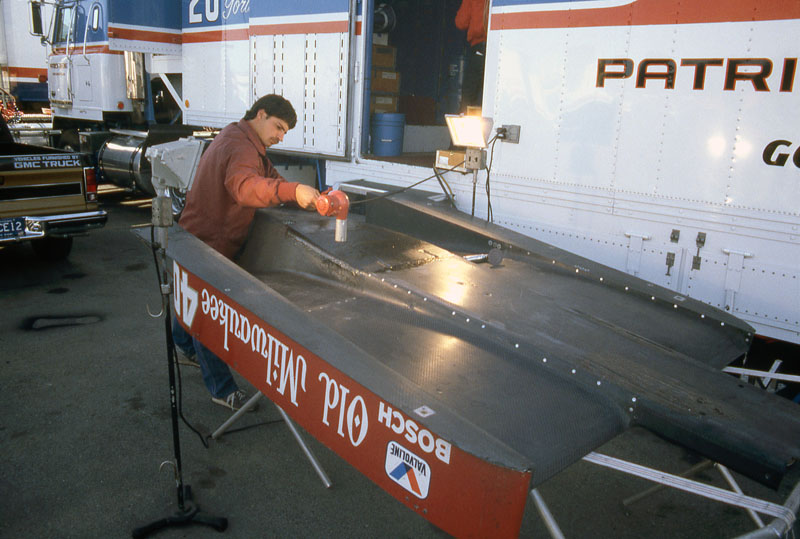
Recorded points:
(301,50)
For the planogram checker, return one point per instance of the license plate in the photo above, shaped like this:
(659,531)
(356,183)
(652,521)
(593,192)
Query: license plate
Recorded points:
(12,227)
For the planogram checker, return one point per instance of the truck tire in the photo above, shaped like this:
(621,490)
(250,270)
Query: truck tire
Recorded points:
(52,248)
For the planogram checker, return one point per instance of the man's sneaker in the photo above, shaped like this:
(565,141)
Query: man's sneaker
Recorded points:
(184,359)
(234,401)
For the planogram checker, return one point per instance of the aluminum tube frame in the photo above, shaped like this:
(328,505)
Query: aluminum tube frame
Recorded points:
(547,516)
(232,419)
(735,487)
(785,513)
(289,423)
(778,528)
(306,450)
(763,374)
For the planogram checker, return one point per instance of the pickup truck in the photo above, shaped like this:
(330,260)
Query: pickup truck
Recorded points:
(47,196)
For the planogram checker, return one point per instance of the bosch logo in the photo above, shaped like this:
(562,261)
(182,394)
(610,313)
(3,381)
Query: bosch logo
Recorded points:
(775,156)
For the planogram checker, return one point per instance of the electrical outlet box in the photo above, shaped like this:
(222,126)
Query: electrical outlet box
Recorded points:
(512,133)
(475,158)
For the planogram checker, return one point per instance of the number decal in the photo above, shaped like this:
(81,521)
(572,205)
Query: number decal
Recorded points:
(185,296)
(211,11)
(194,17)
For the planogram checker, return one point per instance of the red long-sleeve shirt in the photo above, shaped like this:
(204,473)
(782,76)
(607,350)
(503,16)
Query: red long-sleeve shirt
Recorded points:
(233,179)
(471,16)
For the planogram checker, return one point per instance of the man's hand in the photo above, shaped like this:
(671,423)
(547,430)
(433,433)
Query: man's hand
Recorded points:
(306,197)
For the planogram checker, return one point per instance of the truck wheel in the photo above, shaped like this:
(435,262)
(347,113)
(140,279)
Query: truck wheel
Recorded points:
(52,248)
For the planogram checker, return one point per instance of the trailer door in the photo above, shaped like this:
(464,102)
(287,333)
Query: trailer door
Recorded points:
(301,50)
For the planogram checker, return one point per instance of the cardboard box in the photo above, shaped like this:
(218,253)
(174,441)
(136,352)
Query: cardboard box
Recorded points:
(419,110)
(450,160)
(384,103)
(384,56)
(385,81)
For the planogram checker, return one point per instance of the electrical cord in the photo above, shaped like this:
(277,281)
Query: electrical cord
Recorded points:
(448,191)
(404,189)
(171,344)
(489,212)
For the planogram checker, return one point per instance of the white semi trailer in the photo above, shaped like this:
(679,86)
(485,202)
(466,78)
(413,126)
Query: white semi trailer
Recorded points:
(655,136)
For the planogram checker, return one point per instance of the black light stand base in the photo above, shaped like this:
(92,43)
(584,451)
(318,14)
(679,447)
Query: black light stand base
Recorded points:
(191,514)
(188,513)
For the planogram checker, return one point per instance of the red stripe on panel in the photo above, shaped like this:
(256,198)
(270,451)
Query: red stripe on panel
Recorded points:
(27,72)
(651,12)
(143,35)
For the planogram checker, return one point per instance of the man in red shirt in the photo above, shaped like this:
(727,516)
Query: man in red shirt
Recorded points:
(233,179)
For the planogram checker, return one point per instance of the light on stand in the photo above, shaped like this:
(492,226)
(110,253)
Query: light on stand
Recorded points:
(173,166)
(471,132)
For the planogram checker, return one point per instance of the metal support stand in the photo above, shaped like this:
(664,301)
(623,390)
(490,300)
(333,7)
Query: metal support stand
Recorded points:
(474,160)
(655,488)
(785,515)
(187,513)
(547,516)
(474,185)
(289,423)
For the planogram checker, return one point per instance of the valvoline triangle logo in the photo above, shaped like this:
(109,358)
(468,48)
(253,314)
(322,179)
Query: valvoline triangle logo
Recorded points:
(408,470)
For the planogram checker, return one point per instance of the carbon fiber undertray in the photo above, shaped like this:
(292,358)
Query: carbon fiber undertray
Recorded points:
(547,353)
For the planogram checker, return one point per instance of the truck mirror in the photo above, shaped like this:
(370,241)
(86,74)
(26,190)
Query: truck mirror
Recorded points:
(36,26)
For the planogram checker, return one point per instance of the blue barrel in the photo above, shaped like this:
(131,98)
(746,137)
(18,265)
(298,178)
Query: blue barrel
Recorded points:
(387,133)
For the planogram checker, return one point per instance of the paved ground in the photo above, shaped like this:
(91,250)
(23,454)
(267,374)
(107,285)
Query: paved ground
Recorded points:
(85,424)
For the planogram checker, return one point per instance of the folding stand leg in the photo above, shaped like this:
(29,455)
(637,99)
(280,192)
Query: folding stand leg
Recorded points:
(702,465)
(691,471)
(735,487)
(307,450)
(232,419)
(289,423)
(547,516)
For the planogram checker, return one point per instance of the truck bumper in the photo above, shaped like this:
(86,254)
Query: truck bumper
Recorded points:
(59,225)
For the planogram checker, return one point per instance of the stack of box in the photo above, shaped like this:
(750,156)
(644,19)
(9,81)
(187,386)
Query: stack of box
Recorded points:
(385,80)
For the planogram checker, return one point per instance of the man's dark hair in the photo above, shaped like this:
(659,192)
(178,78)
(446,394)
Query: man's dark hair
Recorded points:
(274,105)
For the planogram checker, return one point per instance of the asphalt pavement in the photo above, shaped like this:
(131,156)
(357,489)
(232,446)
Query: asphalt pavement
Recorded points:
(86,438)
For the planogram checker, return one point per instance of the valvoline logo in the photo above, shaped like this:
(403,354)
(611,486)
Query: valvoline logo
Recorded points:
(408,470)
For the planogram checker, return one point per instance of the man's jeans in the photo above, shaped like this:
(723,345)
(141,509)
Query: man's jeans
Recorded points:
(216,373)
